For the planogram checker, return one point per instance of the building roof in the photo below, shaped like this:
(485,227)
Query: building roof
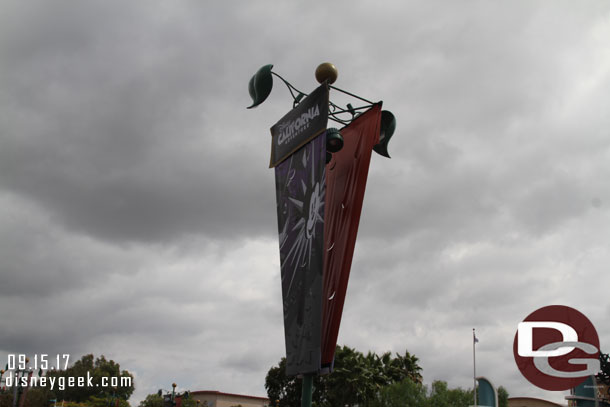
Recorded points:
(548,403)
(220,393)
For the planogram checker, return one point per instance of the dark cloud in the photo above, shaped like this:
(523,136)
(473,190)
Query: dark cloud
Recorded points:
(137,212)
(112,134)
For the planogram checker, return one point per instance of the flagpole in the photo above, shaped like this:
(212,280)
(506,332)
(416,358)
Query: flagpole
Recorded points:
(474,368)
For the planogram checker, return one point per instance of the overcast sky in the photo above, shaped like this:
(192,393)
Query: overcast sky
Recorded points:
(137,212)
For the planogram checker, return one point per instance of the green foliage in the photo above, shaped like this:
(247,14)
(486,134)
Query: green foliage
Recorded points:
(38,397)
(502,397)
(152,400)
(286,390)
(369,381)
(412,394)
(97,369)
(403,394)
(72,404)
(94,401)
(107,401)
(6,400)
(441,396)
(83,394)
(356,379)
(189,402)
(34,397)
(156,400)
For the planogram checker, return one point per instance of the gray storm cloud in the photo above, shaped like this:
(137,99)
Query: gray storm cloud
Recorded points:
(137,212)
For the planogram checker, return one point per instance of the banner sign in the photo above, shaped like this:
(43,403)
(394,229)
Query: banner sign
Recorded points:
(300,189)
(345,184)
(300,125)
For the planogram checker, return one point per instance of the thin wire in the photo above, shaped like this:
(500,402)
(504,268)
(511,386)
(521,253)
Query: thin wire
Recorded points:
(290,87)
(336,109)
(351,94)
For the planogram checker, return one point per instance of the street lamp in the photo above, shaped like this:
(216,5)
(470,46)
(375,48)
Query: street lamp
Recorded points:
(169,399)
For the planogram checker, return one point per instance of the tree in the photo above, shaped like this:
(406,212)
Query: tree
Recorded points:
(356,379)
(441,396)
(502,397)
(157,400)
(106,401)
(402,367)
(152,400)
(101,390)
(406,393)
(38,397)
(187,400)
(369,381)
(409,393)
(6,400)
(282,388)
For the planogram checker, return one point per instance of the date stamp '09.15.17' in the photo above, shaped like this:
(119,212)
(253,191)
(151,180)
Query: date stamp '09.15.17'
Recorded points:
(42,361)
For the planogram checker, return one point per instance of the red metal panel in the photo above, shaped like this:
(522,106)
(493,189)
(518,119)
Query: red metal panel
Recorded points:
(346,176)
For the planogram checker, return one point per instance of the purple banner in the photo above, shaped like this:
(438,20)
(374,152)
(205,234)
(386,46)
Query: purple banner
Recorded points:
(300,189)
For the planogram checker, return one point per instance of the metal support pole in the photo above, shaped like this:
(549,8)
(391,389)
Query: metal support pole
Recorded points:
(25,390)
(307,390)
(16,388)
(474,367)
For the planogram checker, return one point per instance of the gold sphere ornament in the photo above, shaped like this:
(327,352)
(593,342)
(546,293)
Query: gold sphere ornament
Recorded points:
(326,72)
(174,385)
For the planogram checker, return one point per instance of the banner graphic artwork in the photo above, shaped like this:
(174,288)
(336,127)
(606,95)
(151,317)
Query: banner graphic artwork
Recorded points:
(300,179)
(300,190)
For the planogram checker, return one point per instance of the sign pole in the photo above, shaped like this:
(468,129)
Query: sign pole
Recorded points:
(474,367)
(307,390)
(303,153)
